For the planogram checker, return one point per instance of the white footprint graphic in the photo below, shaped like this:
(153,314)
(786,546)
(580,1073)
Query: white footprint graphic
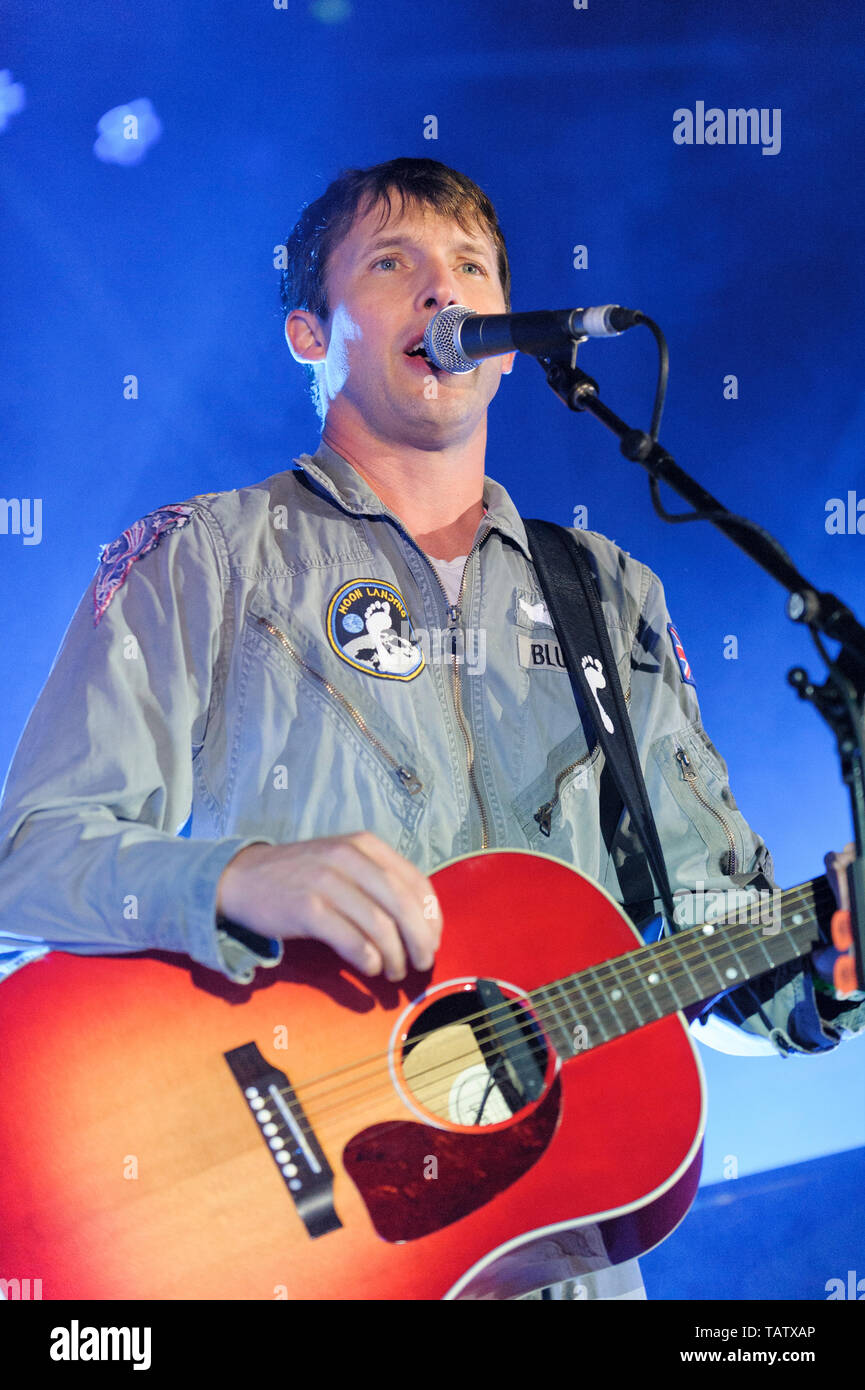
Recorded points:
(395,654)
(594,673)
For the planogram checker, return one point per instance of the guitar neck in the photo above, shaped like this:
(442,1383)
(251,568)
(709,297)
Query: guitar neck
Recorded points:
(697,963)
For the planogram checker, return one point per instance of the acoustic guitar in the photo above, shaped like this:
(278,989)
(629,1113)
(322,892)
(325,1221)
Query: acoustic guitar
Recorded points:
(530,1109)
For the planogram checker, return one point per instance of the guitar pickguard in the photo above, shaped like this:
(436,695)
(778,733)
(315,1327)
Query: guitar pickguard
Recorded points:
(415,1179)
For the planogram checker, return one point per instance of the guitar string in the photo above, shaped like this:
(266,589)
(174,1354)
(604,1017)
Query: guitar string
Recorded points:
(503,1011)
(796,899)
(431,1091)
(673,946)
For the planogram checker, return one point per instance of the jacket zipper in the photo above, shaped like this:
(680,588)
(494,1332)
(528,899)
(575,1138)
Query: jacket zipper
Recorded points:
(544,814)
(690,777)
(454,614)
(408,779)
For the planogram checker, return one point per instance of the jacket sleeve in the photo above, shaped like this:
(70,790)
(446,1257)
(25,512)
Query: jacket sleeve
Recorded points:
(91,858)
(709,848)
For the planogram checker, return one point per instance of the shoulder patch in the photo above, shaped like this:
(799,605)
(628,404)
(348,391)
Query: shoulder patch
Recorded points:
(117,559)
(679,653)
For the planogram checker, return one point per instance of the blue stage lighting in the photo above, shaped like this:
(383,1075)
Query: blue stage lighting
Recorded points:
(12,97)
(127,132)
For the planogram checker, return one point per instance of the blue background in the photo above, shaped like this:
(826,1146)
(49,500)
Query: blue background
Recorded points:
(751,263)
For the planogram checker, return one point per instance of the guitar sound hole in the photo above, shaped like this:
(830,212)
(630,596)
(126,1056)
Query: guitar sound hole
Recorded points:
(475,1057)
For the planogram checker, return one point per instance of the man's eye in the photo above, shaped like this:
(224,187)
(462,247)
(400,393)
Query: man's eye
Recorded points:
(474,265)
(386,260)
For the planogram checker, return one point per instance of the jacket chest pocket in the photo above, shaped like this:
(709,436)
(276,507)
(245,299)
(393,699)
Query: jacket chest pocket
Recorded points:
(313,756)
(558,811)
(695,776)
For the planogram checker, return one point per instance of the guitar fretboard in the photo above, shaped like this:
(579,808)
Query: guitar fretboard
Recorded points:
(697,963)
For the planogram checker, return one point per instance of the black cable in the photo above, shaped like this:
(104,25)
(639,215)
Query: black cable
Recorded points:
(663,372)
(654,492)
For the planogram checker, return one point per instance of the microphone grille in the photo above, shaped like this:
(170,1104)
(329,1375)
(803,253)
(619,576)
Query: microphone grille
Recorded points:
(441,339)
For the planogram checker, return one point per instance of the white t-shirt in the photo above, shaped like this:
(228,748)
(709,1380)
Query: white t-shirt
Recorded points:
(450,572)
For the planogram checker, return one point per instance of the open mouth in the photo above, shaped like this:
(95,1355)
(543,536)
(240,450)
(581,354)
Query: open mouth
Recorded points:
(418,350)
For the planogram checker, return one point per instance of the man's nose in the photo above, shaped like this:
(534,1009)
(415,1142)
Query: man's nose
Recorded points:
(440,289)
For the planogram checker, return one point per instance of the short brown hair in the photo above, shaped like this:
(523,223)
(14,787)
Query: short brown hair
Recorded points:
(325,223)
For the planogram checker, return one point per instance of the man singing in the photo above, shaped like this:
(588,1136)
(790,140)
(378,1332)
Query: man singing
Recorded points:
(296,669)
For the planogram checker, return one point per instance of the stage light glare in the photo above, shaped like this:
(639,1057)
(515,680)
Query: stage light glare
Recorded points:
(127,132)
(12,97)
(330,11)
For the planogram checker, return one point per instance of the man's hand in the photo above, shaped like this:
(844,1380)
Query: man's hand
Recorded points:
(353,892)
(835,964)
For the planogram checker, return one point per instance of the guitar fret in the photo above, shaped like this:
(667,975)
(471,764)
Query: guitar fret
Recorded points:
(586,1009)
(748,963)
(556,1022)
(576,1033)
(777,949)
(652,983)
(682,959)
(700,936)
(773,948)
(581,1035)
(667,983)
(733,975)
(623,993)
(604,1032)
(760,941)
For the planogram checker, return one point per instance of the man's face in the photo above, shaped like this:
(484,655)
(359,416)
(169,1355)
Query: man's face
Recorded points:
(384,283)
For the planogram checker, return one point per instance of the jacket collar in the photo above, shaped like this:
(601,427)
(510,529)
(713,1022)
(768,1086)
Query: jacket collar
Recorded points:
(336,476)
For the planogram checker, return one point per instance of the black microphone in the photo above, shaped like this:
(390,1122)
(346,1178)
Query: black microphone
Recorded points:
(457,338)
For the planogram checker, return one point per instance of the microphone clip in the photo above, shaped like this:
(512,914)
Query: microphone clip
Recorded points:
(570,384)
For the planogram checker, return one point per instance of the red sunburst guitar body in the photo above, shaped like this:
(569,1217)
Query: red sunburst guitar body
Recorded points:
(165,1134)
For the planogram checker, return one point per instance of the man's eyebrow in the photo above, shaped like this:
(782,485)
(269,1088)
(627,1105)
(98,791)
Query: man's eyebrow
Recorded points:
(381,242)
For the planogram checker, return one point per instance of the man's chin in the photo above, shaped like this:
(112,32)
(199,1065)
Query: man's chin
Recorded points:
(437,414)
(440,422)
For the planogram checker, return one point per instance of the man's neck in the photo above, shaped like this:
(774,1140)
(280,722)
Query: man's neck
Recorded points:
(437,495)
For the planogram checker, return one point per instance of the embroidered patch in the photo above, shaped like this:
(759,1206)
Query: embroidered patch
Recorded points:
(536,612)
(679,653)
(368,625)
(536,652)
(117,559)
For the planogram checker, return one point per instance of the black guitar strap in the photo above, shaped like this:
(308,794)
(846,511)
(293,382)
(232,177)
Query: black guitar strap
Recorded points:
(574,604)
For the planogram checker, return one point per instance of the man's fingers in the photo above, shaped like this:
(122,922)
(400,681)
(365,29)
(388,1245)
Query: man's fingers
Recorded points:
(327,925)
(417,883)
(351,891)
(400,890)
(366,915)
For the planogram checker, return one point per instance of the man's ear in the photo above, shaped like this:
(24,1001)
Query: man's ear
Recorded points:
(305,335)
(509,364)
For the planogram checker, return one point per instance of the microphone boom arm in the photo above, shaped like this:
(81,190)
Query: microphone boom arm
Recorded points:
(841,700)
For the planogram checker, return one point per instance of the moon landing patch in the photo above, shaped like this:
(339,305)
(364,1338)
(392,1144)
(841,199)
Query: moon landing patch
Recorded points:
(368,625)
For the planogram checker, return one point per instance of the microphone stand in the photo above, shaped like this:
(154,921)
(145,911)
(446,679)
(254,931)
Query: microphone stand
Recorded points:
(840,700)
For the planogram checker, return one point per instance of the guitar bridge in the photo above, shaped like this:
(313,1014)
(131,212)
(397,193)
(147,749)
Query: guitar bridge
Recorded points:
(285,1130)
